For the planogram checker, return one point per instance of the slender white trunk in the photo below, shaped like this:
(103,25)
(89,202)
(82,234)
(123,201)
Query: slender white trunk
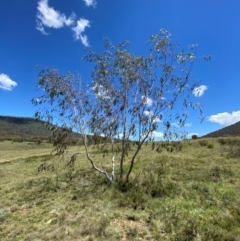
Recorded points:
(113,167)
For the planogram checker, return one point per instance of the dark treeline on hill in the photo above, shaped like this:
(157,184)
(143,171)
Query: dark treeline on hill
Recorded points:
(22,128)
(19,129)
(229,131)
(25,129)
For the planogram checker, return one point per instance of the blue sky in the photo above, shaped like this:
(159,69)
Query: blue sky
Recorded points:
(54,33)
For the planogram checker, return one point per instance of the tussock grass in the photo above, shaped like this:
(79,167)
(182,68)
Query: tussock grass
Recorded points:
(180,193)
(14,150)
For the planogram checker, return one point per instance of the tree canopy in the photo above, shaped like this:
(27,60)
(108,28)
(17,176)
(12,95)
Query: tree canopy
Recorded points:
(128,99)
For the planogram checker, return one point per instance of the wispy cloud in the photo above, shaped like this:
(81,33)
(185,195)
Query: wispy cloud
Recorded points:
(199,91)
(6,83)
(37,100)
(120,135)
(90,3)
(79,29)
(49,17)
(175,124)
(100,92)
(225,118)
(185,125)
(41,28)
(156,119)
(157,134)
(150,114)
(147,101)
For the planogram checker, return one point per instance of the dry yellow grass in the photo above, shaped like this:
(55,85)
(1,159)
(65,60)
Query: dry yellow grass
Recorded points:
(12,151)
(191,193)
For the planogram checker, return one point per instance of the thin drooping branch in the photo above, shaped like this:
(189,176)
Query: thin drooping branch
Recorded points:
(109,178)
(131,98)
(82,129)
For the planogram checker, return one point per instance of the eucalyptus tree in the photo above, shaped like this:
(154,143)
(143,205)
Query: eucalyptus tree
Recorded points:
(129,98)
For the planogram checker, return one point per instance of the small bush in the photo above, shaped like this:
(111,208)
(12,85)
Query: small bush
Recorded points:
(147,183)
(158,149)
(203,142)
(177,146)
(131,232)
(222,141)
(233,148)
(216,173)
(194,137)
(17,139)
(210,146)
(188,231)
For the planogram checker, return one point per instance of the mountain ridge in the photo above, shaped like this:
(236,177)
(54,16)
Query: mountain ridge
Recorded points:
(29,127)
(228,131)
(24,127)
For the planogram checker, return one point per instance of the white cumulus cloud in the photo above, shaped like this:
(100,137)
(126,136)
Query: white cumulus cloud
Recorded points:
(79,29)
(157,134)
(225,118)
(199,91)
(151,116)
(90,2)
(148,113)
(156,119)
(6,83)
(49,17)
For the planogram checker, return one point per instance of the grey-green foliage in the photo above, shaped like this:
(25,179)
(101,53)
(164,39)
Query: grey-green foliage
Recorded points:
(129,98)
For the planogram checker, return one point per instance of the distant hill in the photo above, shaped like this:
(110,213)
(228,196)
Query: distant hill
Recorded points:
(29,129)
(24,127)
(232,130)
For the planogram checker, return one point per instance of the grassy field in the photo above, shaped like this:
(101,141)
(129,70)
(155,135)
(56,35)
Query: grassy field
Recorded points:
(188,191)
(14,150)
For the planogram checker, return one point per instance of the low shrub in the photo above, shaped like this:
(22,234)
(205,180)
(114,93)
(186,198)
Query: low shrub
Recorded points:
(222,141)
(17,139)
(194,137)
(203,142)
(210,146)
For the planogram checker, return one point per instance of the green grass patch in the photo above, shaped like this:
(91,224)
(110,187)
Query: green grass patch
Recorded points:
(189,193)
